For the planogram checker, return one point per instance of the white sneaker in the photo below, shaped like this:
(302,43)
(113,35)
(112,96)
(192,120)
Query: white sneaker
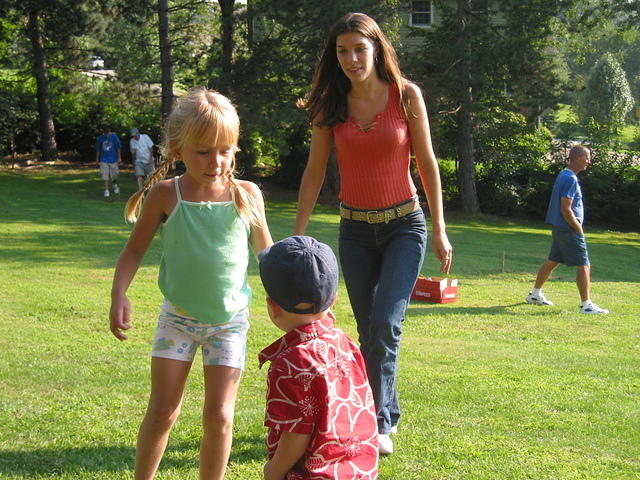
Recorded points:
(592,308)
(106,194)
(538,299)
(116,189)
(385,444)
(394,430)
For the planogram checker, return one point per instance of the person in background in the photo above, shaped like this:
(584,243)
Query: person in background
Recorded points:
(108,158)
(141,147)
(568,245)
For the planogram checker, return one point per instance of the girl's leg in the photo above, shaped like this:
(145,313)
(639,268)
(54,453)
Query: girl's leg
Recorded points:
(168,378)
(220,391)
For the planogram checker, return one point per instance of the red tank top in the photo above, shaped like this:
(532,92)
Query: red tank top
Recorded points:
(374,164)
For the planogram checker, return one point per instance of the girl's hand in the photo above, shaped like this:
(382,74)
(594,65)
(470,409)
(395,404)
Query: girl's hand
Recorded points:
(119,316)
(443,250)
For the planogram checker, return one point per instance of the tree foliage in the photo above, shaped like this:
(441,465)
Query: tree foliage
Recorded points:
(491,77)
(276,71)
(509,53)
(48,45)
(607,99)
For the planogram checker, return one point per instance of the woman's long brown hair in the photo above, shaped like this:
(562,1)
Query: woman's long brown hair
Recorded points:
(327,98)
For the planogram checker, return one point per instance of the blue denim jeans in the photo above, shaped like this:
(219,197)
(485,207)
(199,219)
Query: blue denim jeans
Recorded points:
(380,263)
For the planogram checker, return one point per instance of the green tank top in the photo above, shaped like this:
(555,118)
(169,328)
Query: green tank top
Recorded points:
(203,271)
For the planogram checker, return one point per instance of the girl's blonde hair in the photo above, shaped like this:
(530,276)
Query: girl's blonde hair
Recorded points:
(203,117)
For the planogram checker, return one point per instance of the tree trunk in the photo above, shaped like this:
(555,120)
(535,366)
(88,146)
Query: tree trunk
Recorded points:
(226,11)
(466,152)
(250,24)
(331,185)
(13,151)
(48,147)
(166,60)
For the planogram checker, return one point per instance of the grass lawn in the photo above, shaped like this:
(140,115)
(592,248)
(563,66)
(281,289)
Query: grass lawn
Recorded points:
(629,133)
(492,388)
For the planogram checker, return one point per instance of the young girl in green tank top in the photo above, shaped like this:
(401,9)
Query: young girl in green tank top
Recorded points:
(209,219)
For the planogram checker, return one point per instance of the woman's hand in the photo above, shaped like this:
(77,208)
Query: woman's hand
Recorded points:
(443,250)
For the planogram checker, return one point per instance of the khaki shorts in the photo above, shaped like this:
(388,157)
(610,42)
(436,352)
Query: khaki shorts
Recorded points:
(108,171)
(143,169)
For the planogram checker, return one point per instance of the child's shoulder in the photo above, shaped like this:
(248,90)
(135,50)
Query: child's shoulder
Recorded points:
(164,192)
(250,187)
(247,185)
(166,185)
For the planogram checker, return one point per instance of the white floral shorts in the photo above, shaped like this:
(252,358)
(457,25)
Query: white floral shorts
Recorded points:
(179,337)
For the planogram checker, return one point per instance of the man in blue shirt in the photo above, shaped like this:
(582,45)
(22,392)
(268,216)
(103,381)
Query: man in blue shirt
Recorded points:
(108,157)
(566,215)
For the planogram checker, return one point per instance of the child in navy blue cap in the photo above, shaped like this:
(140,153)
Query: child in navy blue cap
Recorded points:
(320,410)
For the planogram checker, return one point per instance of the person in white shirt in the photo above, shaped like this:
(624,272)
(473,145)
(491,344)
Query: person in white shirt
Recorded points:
(142,153)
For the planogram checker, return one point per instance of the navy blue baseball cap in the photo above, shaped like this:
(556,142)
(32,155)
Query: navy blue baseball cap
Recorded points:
(300,269)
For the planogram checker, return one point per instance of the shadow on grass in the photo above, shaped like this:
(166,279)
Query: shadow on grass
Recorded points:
(51,461)
(58,218)
(418,308)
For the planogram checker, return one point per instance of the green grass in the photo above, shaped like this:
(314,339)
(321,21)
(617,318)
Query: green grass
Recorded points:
(491,388)
(629,134)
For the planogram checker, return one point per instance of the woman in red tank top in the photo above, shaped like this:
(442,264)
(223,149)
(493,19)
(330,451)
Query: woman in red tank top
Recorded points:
(361,104)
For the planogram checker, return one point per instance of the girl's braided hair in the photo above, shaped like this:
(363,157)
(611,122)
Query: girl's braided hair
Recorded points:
(206,117)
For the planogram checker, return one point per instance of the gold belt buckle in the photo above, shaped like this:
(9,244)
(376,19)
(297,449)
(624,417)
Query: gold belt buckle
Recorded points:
(369,213)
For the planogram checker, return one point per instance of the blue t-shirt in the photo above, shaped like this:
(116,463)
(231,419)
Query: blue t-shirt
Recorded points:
(566,186)
(108,148)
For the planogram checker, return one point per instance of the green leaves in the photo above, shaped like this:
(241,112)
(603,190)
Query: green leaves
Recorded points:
(607,100)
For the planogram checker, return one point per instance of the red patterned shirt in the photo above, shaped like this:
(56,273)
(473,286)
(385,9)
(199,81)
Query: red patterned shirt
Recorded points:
(318,386)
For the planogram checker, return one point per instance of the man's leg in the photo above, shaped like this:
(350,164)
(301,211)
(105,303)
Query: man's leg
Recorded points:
(536,297)
(545,272)
(583,280)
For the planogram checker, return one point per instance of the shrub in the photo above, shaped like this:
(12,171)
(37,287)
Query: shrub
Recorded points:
(610,186)
(513,165)
(18,114)
(85,104)
(449,180)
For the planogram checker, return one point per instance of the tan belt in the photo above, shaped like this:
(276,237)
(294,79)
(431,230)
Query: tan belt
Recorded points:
(380,216)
